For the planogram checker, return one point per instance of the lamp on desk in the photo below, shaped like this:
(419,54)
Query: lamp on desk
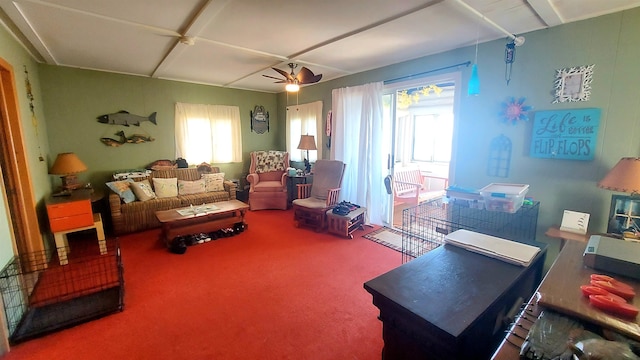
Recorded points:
(307,142)
(624,177)
(67,165)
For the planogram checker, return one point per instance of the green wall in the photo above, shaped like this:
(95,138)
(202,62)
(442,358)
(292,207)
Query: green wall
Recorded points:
(609,42)
(74,98)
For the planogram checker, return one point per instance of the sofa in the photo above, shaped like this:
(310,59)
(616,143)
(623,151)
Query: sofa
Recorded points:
(129,215)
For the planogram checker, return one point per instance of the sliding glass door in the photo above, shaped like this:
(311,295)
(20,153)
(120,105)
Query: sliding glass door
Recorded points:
(419,119)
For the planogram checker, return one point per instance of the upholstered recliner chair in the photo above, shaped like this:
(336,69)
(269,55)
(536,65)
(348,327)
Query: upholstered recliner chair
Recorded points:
(268,180)
(310,209)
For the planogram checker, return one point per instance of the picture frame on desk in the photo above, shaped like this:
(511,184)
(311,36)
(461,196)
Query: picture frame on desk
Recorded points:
(575,222)
(624,214)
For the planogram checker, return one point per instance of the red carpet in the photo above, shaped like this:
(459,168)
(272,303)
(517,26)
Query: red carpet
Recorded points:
(271,292)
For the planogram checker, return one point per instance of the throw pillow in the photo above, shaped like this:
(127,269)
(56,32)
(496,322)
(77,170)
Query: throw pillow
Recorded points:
(165,187)
(191,187)
(271,160)
(214,182)
(123,190)
(143,190)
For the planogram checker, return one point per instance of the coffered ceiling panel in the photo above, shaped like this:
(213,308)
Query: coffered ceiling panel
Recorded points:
(233,43)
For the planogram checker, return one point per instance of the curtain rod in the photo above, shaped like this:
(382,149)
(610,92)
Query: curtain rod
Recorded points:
(391,81)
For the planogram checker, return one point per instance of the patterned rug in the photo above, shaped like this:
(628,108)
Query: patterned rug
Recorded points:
(385,236)
(414,245)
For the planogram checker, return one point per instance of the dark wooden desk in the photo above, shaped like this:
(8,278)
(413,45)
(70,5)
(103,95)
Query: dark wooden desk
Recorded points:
(450,303)
(560,291)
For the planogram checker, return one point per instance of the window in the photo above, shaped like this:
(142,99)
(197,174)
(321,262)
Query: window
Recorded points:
(424,123)
(304,119)
(432,137)
(208,133)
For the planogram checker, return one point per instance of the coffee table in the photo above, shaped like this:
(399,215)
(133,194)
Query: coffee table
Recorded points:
(200,219)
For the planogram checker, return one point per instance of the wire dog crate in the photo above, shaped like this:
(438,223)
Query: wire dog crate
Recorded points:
(41,296)
(425,226)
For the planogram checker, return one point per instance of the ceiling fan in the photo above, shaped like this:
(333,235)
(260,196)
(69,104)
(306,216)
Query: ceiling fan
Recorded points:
(293,81)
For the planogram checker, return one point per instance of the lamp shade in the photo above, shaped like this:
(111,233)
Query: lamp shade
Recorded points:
(67,164)
(307,142)
(624,177)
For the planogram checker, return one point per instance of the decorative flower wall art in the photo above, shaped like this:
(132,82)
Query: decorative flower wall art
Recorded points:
(514,110)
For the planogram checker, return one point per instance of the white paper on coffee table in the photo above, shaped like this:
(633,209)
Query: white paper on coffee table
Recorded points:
(196,210)
(506,250)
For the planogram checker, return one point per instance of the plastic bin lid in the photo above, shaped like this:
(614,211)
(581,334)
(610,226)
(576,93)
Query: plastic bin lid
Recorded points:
(506,189)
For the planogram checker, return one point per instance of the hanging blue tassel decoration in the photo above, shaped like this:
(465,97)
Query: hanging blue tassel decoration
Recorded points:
(474,81)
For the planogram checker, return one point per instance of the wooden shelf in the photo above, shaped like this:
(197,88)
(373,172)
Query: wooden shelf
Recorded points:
(555,232)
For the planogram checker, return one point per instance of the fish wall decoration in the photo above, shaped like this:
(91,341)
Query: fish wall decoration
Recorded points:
(138,138)
(113,142)
(124,118)
(133,139)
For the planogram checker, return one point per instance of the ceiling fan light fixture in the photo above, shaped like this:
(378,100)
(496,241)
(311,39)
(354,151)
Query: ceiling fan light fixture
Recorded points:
(292,87)
(293,80)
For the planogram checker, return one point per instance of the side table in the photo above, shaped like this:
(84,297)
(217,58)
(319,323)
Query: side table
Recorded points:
(345,225)
(62,244)
(73,213)
(292,190)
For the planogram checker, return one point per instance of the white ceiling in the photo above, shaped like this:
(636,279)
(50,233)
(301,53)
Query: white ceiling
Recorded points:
(235,42)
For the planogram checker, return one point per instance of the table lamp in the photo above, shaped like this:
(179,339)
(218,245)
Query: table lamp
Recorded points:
(307,142)
(67,165)
(624,177)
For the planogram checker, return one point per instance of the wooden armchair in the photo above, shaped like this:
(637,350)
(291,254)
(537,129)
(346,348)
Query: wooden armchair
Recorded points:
(409,189)
(310,209)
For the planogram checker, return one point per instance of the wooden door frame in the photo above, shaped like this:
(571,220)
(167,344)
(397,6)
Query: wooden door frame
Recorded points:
(14,161)
(15,176)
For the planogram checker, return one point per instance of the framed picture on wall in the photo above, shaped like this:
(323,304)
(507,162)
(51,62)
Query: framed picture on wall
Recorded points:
(573,84)
(624,214)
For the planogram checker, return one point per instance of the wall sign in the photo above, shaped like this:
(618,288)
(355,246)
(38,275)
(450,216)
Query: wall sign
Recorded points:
(565,134)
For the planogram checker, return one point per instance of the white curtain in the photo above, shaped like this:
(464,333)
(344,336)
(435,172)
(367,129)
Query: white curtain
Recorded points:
(208,133)
(357,141)
(404,131)
(304,119)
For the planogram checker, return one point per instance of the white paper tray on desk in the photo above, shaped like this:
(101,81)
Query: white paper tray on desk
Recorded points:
(506,250)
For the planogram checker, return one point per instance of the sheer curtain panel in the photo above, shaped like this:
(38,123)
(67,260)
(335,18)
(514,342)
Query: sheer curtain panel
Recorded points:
(304,119)
(208,133)
(357,141)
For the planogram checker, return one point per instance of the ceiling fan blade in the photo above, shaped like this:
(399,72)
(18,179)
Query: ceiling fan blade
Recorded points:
(306,76)
(273,77)
(284,73)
